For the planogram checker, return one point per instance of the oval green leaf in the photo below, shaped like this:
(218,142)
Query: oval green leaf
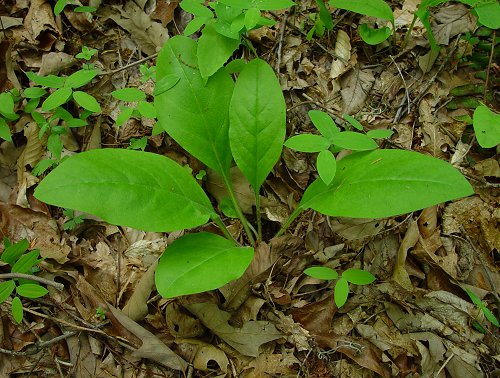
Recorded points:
(87,101)
(31,290)
(355,141)
(147,109)
(489,14)
(385,183)
(307,143)
(6,103)
(80,78)
(358,276)
(34,92)
(379,134)
(5,130)
(257,121)
(373,8)
(129,188)
(200,262)
(17,310)
(50,81)
(341,292)
(26,262)
(6,289)
(321,273)
(12,253)
(374,36)
(324,123)
(327,166)
(57,98)
(128,94)
(353,121)
(194,112)
(486,126)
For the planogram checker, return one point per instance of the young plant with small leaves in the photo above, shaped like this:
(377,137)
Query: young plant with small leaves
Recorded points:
(8,114)
(72,220)
(485,310)
(21,260)
(349,276)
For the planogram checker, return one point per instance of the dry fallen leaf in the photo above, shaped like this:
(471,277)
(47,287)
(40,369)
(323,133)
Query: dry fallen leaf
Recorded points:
(356,86)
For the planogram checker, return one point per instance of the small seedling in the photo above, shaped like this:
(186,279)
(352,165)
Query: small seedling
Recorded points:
(148,73)
(486,311)
(143,108)
(7,113)
(86,53)
(100,314)
(72,220)
(341,290)
(21,260)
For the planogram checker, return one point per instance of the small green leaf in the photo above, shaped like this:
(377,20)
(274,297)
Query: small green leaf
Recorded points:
(6,103)
(194,25)
(355,141)
(341,292)
(324,123)
(235,66)
(474,298)
(374,36)
(379,134)
(57,98)
(59,7)
(76,122)
(50,81)
(31,105)
(129,94)
(87,101)
(124,116)
(486,126)
(308,143)
(358,276)
(146,109)
(353,121)
(31,290)
(5,130)
(6,289)
(489,315)
(327,166)
(84,9)
(196,8)
(80,78)
(13,252)
(252,18)
(26,262)
(34,92)
(373,8)
(200,262)
(42,166)
(322,273)
(17,310)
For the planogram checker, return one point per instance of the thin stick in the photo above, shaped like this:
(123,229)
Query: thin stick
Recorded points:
(404,83)
(259,216)
(289,221)
(280,42)
(7,276)
(37,347)
(489,66)
(112,72)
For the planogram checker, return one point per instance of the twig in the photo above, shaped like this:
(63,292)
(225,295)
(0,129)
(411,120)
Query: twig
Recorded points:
(112,72)
(444,365)
(280,42)
(492,52)
(37,347)
(7,276)
(407,93)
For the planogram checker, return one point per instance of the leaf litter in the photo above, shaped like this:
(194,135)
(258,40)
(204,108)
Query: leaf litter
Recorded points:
(414,320)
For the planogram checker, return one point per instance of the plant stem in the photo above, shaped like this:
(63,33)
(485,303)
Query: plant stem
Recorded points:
(218,221)
(7,276)
(408,32)
(258,215)
(289,221)
(237,207)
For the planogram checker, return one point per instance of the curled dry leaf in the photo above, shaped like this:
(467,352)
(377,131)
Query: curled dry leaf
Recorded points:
(137,307)
(343,52)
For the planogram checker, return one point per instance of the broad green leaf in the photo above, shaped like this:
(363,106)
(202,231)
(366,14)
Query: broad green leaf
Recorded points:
(76,122)
(200,262)
(31,290)
(385,183)
(57,98)
(489,15)
(17,309)
(486,126)
(86,101)
(6,103)
(129,188)
(324,123)
(259,4)
(147,109)
(257,121)
(34,92)
(124,116)
(252,18)
(5,130)
(194,112)
(308,143)
(6,289)
(55,145)
(341,292)
(214,50)
(26,262)
(358,276)
(129,94)
(373,36)
(50,81)
(353,122)
(352,140)
(80,78)
(327,166)
(322,273)
(196,8)
(12,253)
(373,8)
(379,134)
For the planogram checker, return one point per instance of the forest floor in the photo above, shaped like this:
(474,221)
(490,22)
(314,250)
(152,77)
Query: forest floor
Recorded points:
(415,320)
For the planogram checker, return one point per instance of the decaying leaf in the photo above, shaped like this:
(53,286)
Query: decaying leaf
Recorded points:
(356,86)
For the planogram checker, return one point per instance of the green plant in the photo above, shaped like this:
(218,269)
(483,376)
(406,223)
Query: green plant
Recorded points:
(61,4)
(7,112)
(322,21)
(86,53)
(143,108)
(22,262)
(100,314)
(72,220)
(486,125)
(486,311)
(341,290)
(148,72)
(219,121)
(224,24)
